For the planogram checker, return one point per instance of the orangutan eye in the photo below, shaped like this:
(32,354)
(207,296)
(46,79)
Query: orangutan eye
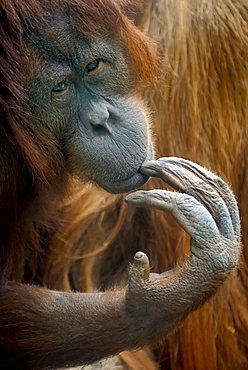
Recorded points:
(95,67)
(60,89)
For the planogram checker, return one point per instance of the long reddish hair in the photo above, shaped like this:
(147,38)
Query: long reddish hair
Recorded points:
(200,113)
(33,176)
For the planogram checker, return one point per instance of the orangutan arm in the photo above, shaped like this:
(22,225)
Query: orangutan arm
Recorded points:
(40,328)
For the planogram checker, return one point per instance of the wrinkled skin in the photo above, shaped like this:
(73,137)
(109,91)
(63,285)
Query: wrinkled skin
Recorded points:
(85,107)
(206,209)
(85,97)
(97,325)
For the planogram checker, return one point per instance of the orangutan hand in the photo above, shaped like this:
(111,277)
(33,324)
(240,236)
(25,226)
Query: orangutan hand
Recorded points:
(204,206)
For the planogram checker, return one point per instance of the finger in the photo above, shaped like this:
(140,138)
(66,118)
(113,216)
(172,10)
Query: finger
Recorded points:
(140,269)
(217,183)
(156,169)
(190,214)
(196,186)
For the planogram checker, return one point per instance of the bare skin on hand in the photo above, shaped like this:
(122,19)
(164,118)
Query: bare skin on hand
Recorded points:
(103,324)
(206,209)
(71,108)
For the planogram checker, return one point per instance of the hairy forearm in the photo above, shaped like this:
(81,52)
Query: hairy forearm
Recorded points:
(40,327)
(47,329)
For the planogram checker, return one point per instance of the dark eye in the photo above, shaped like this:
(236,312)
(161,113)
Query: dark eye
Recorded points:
(60,89)
(95,67)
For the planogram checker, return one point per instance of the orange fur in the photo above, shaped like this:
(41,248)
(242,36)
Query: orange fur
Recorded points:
(200,113)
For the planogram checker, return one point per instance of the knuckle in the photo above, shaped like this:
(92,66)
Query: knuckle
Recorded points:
(227,255)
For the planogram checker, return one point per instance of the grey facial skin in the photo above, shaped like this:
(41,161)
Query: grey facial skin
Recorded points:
(99,123)
(84,97)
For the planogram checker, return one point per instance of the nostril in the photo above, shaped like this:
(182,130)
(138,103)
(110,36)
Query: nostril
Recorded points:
(98,127)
